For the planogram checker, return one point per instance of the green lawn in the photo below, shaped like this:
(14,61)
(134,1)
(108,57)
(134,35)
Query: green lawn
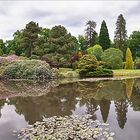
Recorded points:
(123,72)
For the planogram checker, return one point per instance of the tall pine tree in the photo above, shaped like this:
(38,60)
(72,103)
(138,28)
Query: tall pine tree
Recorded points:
(104,40)
(30,37)
(120,38)
(91,34)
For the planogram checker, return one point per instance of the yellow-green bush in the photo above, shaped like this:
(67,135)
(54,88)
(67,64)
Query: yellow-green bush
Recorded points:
(129,60)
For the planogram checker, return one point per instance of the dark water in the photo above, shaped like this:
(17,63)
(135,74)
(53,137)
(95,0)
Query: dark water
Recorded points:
(114,102)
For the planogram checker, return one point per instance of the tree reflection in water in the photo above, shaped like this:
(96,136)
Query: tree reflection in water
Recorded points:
(104,108)
(121,111)
(61,100)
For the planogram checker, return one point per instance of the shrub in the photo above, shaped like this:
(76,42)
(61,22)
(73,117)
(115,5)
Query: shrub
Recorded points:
(28,69)
(100,72)
(113,58)
(129,60)
(88,62)
(95,50)
(89,67)
(137,63)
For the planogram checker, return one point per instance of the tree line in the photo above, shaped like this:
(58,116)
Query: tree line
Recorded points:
(58,46)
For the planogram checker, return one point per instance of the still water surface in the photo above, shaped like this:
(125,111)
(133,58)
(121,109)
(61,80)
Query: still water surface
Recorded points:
(113,102)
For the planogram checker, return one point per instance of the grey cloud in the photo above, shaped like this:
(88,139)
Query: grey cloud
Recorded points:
(5,7)
(37,14)
(134,11)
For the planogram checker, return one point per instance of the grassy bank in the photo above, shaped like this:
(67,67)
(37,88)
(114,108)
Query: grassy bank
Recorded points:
(69,73)
(123,72)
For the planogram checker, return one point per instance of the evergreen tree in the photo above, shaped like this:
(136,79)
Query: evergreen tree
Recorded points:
(104,40)
(129,60)
(91,34)
(30,37)
(120,38)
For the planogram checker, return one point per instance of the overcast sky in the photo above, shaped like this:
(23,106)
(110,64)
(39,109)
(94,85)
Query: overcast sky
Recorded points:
(14,15)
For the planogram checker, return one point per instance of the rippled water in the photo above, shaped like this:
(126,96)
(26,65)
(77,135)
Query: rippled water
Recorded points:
(114,102)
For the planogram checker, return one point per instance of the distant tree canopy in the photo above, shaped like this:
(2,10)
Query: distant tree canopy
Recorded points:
(113,58)
(120,38)
(82,43)
(134,43)
(96,50)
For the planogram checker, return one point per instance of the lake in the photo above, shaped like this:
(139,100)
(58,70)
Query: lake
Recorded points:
(116,102)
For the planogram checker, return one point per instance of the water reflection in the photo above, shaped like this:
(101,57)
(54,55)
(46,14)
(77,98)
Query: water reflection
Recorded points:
(95,98)
(104,108)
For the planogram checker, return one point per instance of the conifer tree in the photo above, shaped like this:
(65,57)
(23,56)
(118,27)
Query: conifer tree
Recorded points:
(120,38)
(91,34)
(104,40)
(129,60)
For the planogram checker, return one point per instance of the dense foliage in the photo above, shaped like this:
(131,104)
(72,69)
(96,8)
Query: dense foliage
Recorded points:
(28,69)
(113,58)
(96,50)
(30,37)
(89,67)
(129,60)
(104,39)
(137,63)
(59,48)
(134,43)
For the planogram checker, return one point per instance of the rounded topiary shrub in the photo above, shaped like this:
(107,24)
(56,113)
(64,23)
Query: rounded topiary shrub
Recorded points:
(87,63)
(113,58)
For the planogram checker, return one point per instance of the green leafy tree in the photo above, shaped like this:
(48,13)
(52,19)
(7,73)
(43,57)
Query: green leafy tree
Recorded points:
(30,37)
(61,46)
(104,39)
(1,52)
(95,50)
(15,44)
(91,34)
(134,43)
(120,38)
(42,44)
(82,43)
(129,60)
(2,47)
(113,58)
